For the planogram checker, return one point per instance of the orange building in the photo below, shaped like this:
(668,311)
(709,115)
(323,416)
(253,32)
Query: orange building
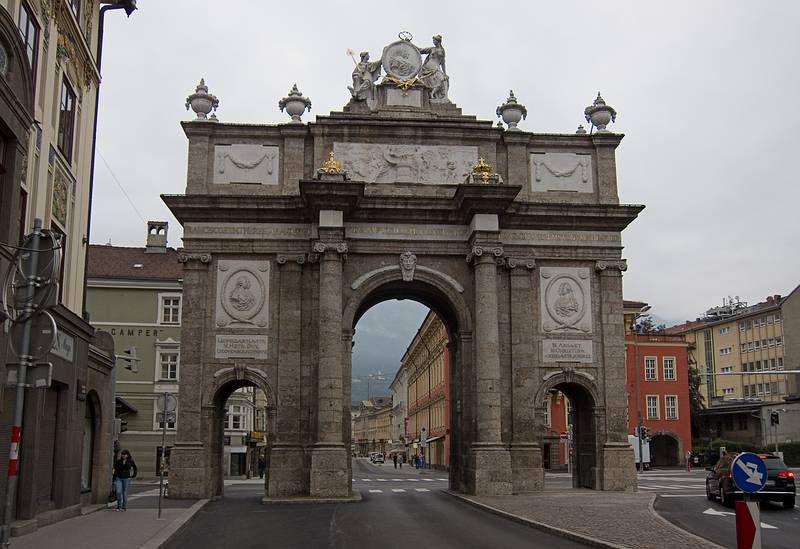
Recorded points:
(661,363)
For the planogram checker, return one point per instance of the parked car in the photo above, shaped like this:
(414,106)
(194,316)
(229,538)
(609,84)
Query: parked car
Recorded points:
(378,458)
(780,482)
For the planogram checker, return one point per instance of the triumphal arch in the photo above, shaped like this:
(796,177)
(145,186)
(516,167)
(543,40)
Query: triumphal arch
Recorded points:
(292,231)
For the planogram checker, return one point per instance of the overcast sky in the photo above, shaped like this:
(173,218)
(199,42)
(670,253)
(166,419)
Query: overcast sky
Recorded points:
(706,93)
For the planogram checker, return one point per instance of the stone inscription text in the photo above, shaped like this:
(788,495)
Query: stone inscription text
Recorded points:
(241,346)
(567,350)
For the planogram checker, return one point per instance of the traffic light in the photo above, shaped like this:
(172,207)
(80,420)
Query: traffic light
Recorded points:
(774,417)
(123,425)
(643,432)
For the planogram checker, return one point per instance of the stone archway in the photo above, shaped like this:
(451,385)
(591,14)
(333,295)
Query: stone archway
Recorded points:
(444,296)
(291,231)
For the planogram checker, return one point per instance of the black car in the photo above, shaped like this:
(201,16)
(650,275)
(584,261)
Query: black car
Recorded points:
(780,482)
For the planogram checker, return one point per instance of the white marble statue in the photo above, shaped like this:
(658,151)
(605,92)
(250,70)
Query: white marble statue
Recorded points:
(433,73)
(365,74)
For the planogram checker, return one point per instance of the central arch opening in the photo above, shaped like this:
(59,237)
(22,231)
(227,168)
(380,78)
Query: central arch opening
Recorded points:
(405,384)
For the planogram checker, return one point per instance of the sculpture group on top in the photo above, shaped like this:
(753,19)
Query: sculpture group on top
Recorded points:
(404,66)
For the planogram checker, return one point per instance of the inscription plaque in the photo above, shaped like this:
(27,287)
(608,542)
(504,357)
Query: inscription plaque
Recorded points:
(567,350)
(241,346)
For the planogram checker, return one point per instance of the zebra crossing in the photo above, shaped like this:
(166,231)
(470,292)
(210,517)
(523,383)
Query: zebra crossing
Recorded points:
(401,480)
(389,486)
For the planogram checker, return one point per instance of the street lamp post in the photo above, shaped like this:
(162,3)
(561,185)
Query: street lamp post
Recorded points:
(639,420)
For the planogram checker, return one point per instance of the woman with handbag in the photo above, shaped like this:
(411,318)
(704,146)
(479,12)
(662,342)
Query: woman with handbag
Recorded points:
(124,470)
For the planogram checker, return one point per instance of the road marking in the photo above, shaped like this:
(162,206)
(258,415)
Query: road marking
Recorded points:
(413,480)
(397,479)
(682,495)
(421,489)
(397,490)
(381,479)
(443,479)
(647,488)
(366,480)
(376,491)
(428,479)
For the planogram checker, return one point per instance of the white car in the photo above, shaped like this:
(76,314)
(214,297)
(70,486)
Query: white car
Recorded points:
(378,458)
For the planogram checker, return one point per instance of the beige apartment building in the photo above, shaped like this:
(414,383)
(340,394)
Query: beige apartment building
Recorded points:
(371,425)
(741,350)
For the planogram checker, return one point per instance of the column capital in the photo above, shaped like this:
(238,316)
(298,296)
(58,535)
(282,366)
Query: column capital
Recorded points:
(484,254)
(320,247)
(201,257)
(620,265)
(517,264)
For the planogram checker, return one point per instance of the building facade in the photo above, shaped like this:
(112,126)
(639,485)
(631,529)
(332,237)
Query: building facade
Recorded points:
(48,102)
(741,350)
(135,294)
(426,364)
(399,417)
(371,426)
(659,364)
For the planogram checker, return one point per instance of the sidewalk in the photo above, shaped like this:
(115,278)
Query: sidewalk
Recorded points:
(108,529)
(601,519)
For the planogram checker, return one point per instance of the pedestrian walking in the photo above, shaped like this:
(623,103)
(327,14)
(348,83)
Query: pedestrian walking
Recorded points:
(124,470)
(688,461)
(262,465)
(394,458)
(400,460)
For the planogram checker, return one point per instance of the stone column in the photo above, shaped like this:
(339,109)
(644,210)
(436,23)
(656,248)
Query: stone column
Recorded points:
(526,454)
(615,459)
(490,458)
(189,460)
(286,475)
(329,457)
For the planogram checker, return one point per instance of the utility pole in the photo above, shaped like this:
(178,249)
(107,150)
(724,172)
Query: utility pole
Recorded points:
(637,376)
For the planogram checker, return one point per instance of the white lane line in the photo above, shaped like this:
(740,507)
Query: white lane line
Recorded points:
(381,479)
(428,479)
(647,488)
(413,480)
(681,495)
(397,480)
(397,490)
(421,489)
(376,491)
(366,480)
(443,479)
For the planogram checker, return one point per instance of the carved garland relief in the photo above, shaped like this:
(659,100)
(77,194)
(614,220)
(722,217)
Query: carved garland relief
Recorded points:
(242,163)
(566,300)
(242,298)
(561,172)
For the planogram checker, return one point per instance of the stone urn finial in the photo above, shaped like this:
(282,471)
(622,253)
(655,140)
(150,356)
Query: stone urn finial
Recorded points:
(202,102)
(580,129)
(599,114)
(512,112)
(295,104)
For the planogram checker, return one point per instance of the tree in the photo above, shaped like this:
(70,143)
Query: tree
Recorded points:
(696,399)
(645,325)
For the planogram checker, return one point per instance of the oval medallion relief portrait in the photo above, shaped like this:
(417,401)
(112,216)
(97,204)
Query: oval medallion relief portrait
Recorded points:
(243,295)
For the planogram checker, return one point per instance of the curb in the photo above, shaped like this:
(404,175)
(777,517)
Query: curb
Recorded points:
(574,536)
(165,534)
(652,509)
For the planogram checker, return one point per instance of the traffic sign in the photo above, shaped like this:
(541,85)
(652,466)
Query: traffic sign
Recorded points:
(749,472)
(563,435)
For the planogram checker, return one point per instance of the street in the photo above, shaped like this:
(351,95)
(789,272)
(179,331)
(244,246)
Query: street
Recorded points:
(682,501)
(400,508)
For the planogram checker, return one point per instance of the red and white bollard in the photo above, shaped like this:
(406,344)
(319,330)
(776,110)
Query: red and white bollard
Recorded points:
(748,525)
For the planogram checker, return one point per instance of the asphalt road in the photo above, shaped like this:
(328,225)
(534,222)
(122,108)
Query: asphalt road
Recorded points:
(682,501)
(400,509)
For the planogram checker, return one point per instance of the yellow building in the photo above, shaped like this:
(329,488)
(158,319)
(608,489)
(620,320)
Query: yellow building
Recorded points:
(427,365)
(740,350)
(370,426)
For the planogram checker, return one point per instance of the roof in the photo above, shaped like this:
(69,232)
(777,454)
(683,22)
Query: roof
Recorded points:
(773,302)
(118,262)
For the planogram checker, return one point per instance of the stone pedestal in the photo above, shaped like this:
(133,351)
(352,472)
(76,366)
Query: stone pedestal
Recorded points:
(491,470)
(285,478)
(527,472)
(329,471)
(618,471)
(188,477)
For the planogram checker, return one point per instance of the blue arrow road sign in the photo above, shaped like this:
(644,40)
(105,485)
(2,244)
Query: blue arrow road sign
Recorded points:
(749,472)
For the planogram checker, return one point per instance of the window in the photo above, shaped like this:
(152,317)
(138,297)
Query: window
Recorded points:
(772,364)
(546,417)
(168,365)
(746,391)
(170,423)
(758,365)
(66,120)
(725,350)
(744,347)
(772,342)
(29,31)
(760,388)
(766,389)
(650,368)
(62,241)
(774,386)
(727,369)
(750,346)
(725,391)
(780,363)
(769,319)
(170,312)
(779,341)
(741,325)
(671,406)
(763,343)
(724,330)
(748,324)
(235,419)
(652,406)
(777,317)
(757,344)
(669,368)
